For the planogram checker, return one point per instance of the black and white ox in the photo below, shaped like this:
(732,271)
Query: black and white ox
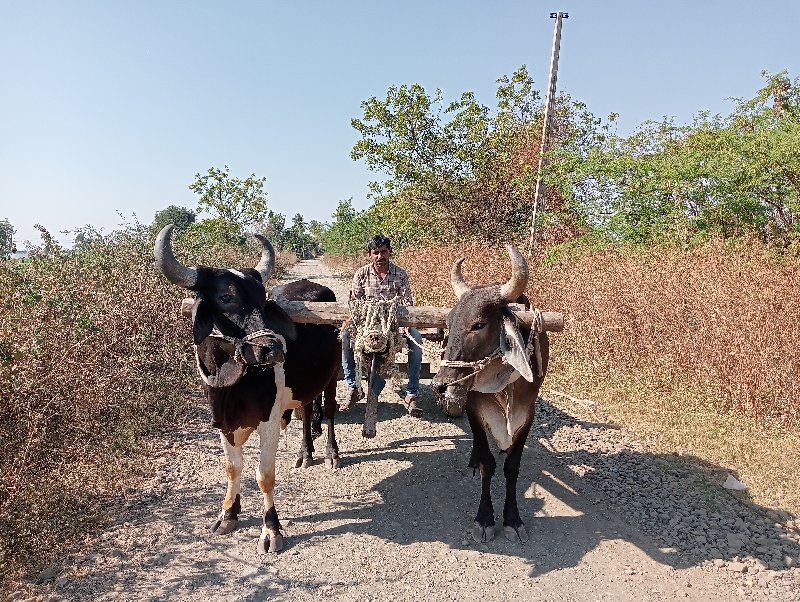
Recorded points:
(256,366)
(492,369)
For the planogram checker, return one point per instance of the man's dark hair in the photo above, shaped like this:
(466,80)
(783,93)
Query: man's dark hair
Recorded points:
(378,241)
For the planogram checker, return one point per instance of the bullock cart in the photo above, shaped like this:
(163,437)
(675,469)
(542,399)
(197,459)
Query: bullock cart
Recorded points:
(253,355)
(418,316)
(430,320)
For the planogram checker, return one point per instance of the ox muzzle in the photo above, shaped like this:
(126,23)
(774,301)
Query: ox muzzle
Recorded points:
(224,360)
(262,348)
(451,398)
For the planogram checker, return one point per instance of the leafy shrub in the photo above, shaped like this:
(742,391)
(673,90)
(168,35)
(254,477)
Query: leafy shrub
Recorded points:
(94,358)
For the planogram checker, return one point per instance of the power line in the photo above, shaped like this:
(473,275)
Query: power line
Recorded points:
(539,195)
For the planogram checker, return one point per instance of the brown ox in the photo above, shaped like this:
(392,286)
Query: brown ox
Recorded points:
(256,366)
(493,368)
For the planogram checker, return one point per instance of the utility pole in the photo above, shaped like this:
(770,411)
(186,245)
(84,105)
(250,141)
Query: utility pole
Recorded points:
(539,195)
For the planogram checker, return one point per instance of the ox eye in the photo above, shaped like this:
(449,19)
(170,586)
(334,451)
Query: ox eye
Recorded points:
(226,298)
(478,326)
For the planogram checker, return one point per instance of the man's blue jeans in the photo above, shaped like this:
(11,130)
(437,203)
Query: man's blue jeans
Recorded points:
(414,364)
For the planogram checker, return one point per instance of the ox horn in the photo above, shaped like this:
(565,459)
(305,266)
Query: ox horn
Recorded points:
(174,270)
(457,280)
(512,289)
(267,263)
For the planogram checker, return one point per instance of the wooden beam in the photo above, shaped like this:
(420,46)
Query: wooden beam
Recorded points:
(418,316)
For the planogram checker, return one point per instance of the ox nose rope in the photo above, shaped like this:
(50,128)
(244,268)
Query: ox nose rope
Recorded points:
(238,343)
(247,339)
(476,366)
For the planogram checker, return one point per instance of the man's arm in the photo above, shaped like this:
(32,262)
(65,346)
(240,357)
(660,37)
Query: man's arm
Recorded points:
(404,289)
(357,286)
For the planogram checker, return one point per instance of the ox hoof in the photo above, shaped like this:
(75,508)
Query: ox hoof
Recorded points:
(271,545)
(369,432)
(303,462)
(333,463)
(224,526)
(516,534)
(482,534)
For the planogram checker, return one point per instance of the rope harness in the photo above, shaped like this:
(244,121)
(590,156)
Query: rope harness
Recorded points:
(375,329)
(532,349)
(239,344)
(476,366)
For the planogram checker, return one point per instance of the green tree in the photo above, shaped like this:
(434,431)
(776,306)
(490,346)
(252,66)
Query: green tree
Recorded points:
(316,230)
(7,246)
(348,232)
(729,175)
(180,216)
(298,239)
(460,167)
(275,229)
(235,205)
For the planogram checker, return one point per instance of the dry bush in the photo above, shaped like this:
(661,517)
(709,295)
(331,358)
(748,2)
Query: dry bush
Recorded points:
(724,317)
(284,260)
(717,316)
(94,358)
(347,265)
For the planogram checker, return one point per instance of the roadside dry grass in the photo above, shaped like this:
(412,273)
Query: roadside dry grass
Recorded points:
(694,350)
(93,360)
(689,422)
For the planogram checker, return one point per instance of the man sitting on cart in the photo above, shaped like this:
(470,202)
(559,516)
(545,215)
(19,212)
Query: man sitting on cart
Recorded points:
(382,279)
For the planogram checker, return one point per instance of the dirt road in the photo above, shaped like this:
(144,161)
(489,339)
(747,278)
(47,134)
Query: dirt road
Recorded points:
(607,521)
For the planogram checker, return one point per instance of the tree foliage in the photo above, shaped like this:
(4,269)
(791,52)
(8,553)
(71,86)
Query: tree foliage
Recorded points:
(460,168)
(235,205)
(727,175)
(275,229)
(180,216)
(298,239)
(349,230)
(7,247)
(467,171)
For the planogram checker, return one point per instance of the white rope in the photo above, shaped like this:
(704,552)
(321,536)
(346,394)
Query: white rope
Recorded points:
(476,366)
(374,329)
(411,339)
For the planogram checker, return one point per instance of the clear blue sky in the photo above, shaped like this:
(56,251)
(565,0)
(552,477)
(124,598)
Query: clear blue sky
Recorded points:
(110,108)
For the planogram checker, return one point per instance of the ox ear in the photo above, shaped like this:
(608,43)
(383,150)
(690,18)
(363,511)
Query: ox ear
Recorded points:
(513,347)
(215,375)
(278,321)
(228,375)
(495,377)
(202,320)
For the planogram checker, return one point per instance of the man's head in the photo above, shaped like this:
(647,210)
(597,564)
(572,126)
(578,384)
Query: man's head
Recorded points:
(379,249)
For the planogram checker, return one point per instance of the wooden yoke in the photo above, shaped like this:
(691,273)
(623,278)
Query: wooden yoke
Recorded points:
(306,312)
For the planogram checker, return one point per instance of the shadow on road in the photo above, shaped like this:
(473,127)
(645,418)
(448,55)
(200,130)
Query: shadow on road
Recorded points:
(434,497)
(621,497)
